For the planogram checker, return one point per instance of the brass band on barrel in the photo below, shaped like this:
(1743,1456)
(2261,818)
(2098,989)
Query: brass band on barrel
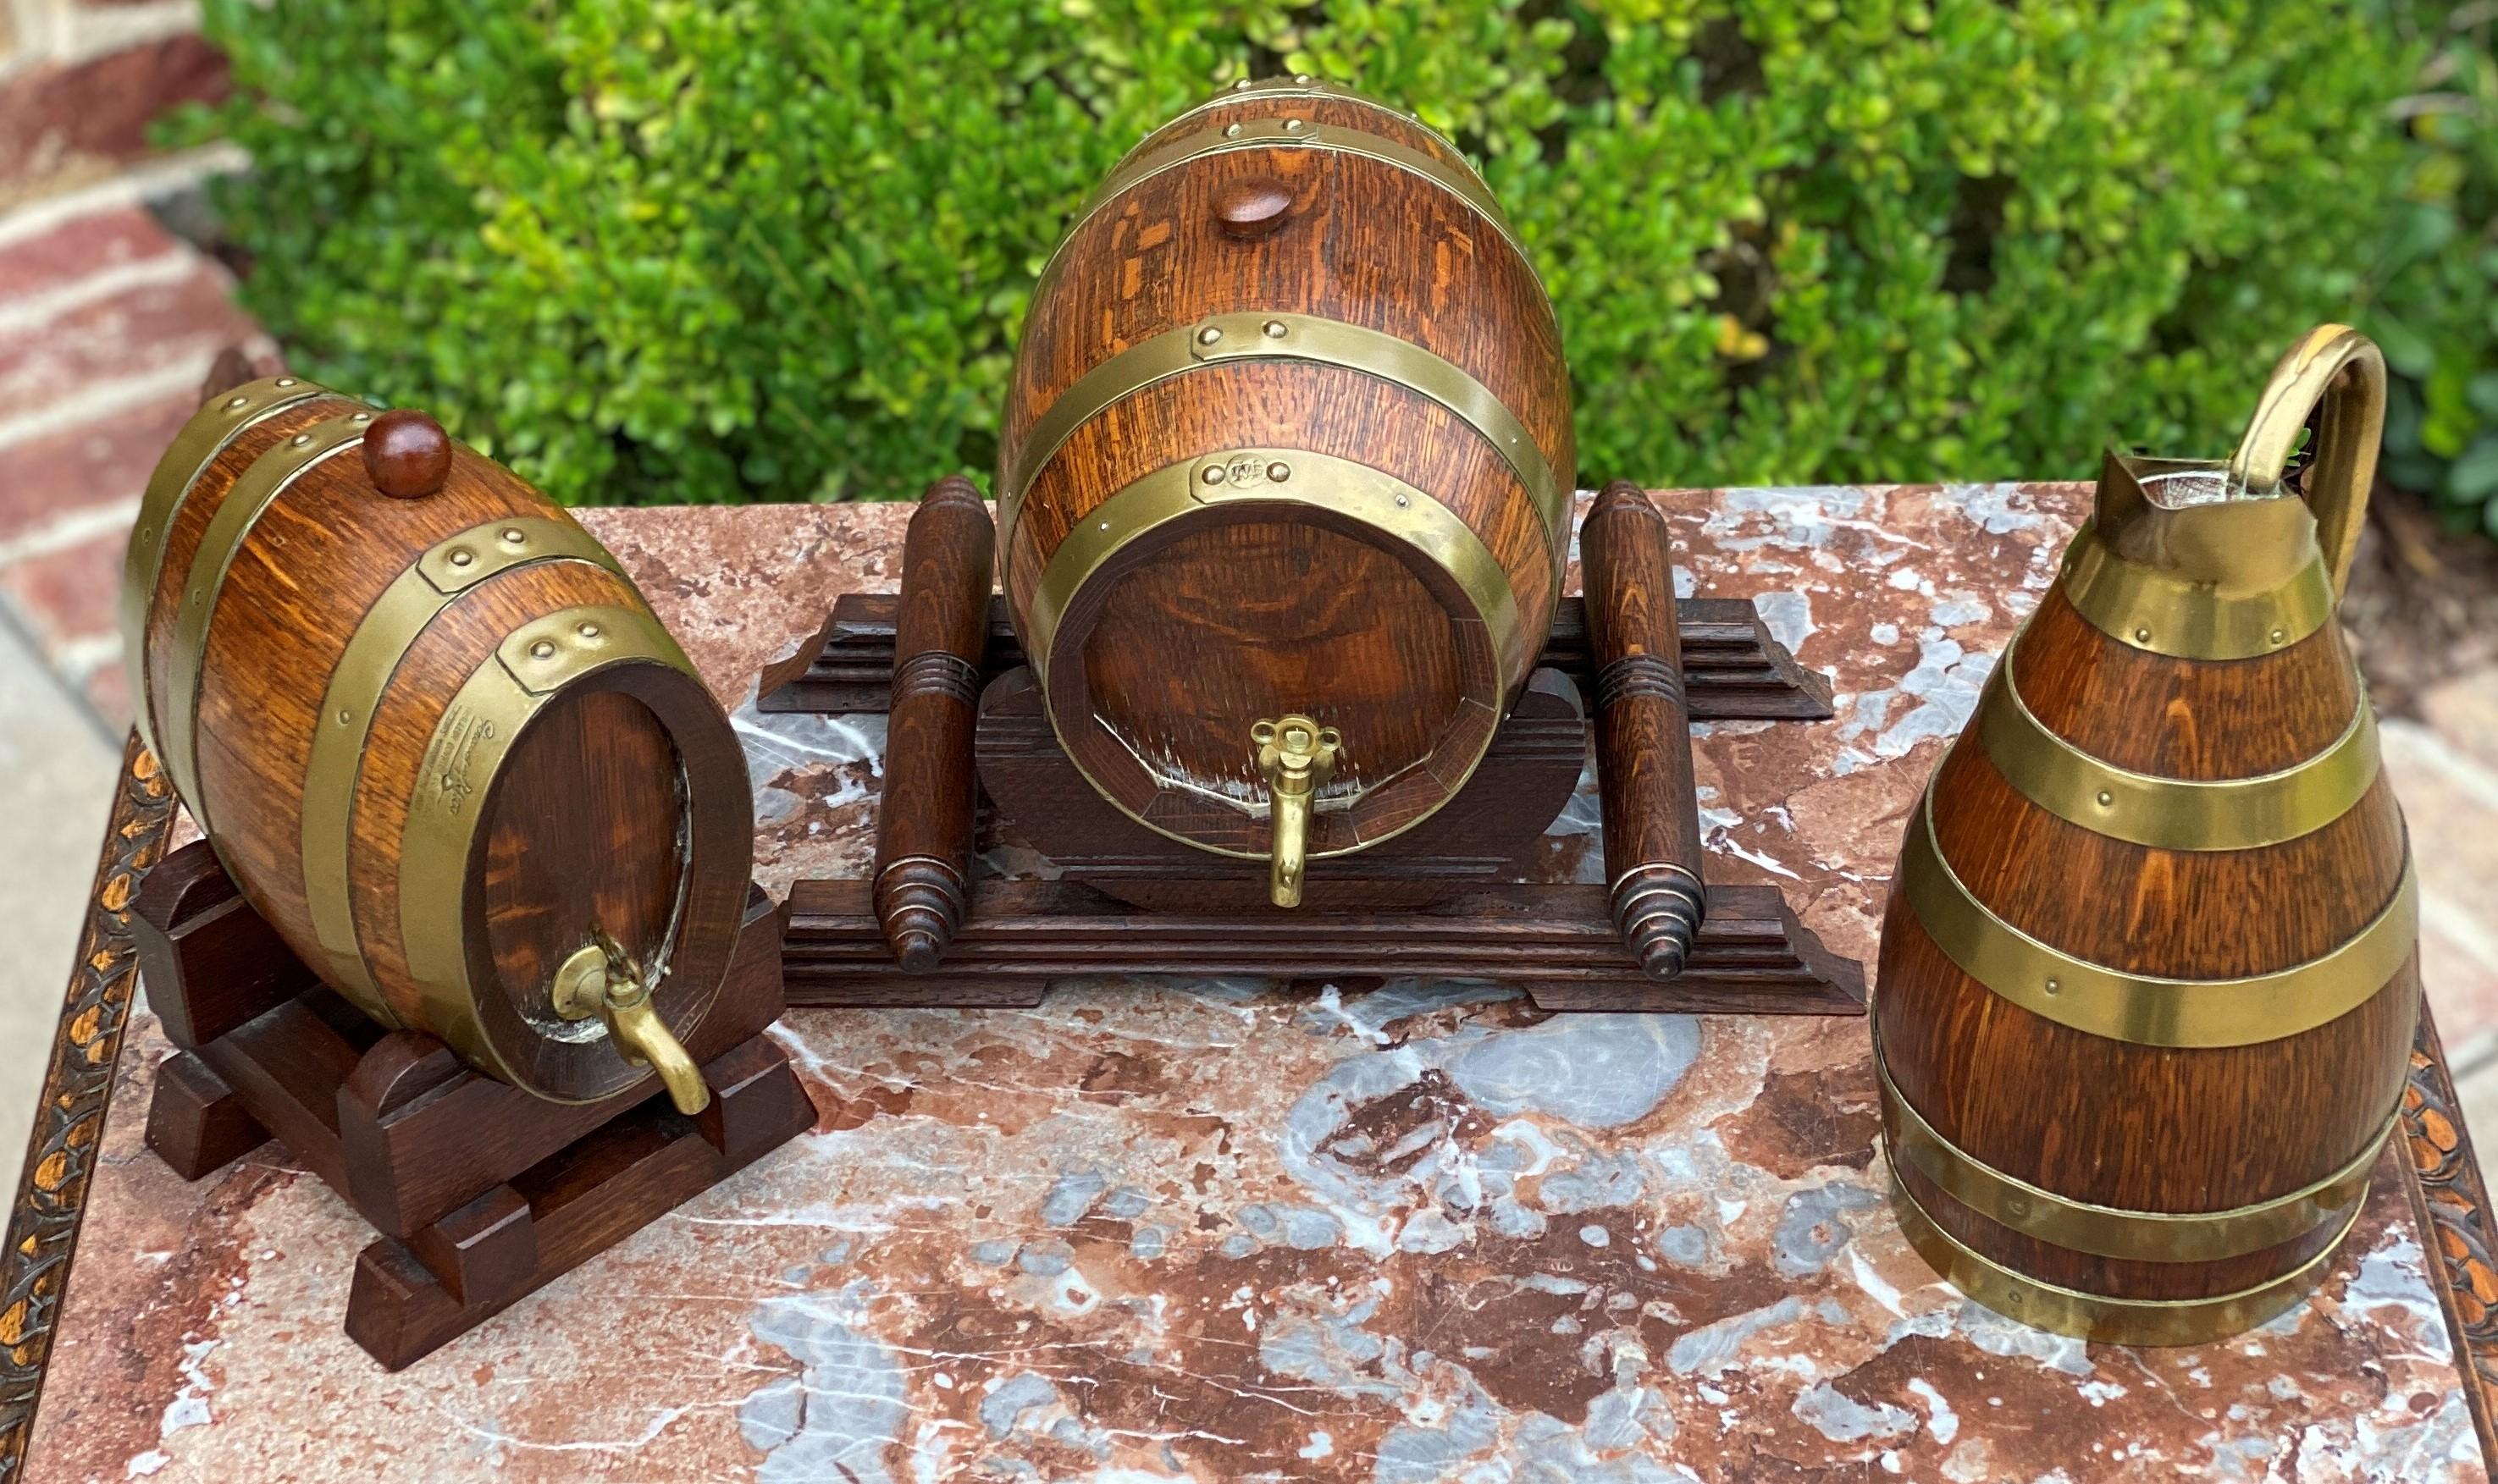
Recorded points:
(419,595)
(2097,1316)
(2171,813)
(2109,1231)
(1293,86)
(531,668)
(1457,178)
(2162,614)
(1407,516)
(210,431)
(2141,1008)
(1275,337)
(254,491)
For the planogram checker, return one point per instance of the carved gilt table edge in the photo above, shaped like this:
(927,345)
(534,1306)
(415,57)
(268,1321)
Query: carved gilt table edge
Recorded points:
(2443,1178)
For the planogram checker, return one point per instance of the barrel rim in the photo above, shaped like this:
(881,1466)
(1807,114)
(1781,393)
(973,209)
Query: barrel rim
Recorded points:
(1356,493)
(1293,85)
(2114,1231)
(1258,334)
(253,492)
(2201,814)
(359,680)
(207,433)
(2147,1009)
(2103,1317)
(548,658)
(2161,613)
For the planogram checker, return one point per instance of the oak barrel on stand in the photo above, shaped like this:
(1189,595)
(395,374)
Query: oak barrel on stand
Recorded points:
(439,739)
(1285,477)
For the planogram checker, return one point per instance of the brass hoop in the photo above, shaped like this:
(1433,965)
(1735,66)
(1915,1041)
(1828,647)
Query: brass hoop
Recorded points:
(335,768)
(1293,86)
(1459,180)
(254,491)
(2141,1008)
(1277,336)
(2097,1316)
(2170,813)
(2161,613)
(210,431)
(2340,370)
(2110,1231)
(530,667)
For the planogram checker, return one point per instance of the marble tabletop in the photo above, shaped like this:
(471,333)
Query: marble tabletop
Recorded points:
(1380,1230)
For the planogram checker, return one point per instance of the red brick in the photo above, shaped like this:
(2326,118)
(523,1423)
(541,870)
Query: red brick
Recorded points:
(68,595)
(72,250)
(51,117)
(97,465)
(139,329)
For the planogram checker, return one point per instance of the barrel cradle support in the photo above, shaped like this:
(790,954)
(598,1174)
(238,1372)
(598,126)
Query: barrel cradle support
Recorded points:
(1445,896)
(480,1193)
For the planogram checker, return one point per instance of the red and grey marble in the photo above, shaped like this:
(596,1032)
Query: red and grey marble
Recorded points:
(1385,1230)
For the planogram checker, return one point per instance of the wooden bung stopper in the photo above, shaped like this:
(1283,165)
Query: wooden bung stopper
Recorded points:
(1252,206)
(923,822)
(1643,779)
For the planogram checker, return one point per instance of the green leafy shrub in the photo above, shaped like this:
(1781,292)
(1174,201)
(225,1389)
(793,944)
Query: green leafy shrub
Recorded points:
(655,250)
(2438,316)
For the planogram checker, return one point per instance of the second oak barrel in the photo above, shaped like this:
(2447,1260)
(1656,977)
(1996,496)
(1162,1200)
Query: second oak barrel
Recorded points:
(1289,438)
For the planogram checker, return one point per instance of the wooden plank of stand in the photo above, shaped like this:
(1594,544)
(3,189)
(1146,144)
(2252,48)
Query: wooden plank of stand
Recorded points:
(193,927)
(410,1297)
(1557,941)
(1735,670)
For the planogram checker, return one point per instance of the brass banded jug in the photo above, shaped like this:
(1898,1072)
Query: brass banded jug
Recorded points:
(2148,984)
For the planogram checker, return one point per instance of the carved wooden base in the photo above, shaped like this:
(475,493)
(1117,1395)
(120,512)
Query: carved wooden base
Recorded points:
(1557,943)
(481,1192)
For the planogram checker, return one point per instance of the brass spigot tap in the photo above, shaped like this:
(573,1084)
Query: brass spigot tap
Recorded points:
(602,979)
(1296,755)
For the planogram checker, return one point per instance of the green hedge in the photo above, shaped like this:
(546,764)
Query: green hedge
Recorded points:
(653,250)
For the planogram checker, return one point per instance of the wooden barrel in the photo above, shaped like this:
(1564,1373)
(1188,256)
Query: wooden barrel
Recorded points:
(2148,986)
(434,735)
(1289,438)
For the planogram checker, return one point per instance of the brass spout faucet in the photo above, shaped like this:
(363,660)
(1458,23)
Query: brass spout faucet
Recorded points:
(602,979)
(1296,755)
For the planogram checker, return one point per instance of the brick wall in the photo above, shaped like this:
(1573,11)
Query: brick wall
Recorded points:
(107,320)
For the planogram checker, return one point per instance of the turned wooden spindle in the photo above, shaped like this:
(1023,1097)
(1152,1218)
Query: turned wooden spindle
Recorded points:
(924,825)
(1644,780)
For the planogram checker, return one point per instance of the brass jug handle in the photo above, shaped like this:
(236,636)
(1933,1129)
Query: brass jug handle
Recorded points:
(2341,369)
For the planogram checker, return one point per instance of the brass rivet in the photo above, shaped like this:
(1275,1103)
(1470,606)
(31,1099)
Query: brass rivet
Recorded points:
(464,558)
(513,535)
(1208,335)
(2017,1207)
(1279,471)
(302,439)
(588,630)
(286,380)
(544,649)
(361,417)
(1240,84)
(2278,635)
(1275,329)
(1213,474)
(1105,526)
(2142,636)
(2106,798)
(1231,131)
(2055,986)
(1292,126)
(1301,77)
(234,404)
